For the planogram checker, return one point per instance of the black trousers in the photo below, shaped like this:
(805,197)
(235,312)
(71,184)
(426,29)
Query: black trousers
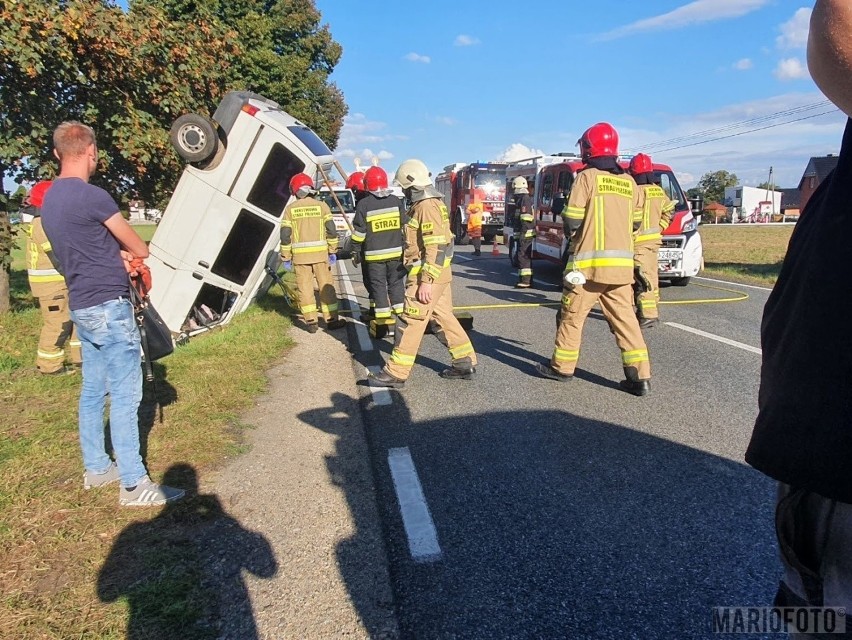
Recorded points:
(387,285)
(525,259)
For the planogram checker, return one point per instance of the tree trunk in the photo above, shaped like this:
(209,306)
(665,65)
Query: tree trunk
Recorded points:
(5,260)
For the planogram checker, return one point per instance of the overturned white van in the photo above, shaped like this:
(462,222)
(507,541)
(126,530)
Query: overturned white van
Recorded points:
(221,227)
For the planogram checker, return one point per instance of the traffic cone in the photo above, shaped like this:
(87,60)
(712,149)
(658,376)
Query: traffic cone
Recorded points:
(494,250)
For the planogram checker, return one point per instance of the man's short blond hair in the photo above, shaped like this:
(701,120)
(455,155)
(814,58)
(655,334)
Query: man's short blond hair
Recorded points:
(72,138)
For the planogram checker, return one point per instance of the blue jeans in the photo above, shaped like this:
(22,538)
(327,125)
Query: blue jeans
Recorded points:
(111,365)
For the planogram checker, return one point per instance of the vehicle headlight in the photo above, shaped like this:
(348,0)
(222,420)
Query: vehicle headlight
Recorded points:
(690,226)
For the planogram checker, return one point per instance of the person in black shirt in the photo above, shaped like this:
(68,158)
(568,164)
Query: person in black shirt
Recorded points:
(803,434)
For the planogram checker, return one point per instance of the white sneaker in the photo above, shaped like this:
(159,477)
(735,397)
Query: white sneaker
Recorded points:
(148,494)
(95,480)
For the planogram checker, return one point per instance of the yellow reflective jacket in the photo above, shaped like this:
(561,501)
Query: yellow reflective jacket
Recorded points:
(428,241)
(42,273)
(599,218)
(654,217)
(308,234)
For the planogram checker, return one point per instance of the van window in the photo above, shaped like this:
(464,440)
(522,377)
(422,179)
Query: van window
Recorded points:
(271,190)
(345,198)
(566,181)
(310,140)
(242,247)
(547,190)
(670,185)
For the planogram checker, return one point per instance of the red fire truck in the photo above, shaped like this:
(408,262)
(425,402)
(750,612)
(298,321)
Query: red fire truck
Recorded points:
(484,182)
(550,179)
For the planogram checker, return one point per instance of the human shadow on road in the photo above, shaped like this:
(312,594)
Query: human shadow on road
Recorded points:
(555,525)
(356,556)
(181,571)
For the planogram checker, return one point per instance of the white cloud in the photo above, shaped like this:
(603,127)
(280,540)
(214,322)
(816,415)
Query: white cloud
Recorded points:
(359,130)
(446,120)
(517,151)
(416,57)
(385,155)
(791,69)
(794,32)
(463,40)
(786,148)
(697,12)
(743,65)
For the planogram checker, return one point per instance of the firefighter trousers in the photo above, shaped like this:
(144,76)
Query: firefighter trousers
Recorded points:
(305,274)
(525,260)
(387,286)
(58,340)
(366,277)
(411,326)
(617,305)
(646,286)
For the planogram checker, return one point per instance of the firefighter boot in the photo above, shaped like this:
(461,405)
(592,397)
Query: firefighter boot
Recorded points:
(336,323)
(632,384)
(454,373)
(384,379)
(647,323)
(546,371)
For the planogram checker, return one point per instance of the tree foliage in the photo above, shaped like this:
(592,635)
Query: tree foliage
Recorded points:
(712,185)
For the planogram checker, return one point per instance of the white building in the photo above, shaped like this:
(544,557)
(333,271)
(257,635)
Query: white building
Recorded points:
(750,204)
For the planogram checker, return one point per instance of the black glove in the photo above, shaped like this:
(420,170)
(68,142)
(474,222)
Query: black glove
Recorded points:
(356,257)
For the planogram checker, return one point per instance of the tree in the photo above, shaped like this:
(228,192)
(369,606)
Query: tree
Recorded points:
(768,185)
(712,185)
(287,56)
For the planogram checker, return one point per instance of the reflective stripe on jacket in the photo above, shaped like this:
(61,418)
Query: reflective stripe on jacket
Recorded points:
(429,241)
(40,268)
(599,219)
(308,234)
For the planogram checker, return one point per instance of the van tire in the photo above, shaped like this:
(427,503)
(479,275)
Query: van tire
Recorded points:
(194,137)
(680,282)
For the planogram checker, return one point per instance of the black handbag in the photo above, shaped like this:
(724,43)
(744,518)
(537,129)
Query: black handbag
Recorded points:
(156,338)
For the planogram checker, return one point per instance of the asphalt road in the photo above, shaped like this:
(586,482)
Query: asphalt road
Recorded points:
(573,510)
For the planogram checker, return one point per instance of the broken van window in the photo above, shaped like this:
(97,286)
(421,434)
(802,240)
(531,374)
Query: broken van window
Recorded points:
(271,190)
(242,247)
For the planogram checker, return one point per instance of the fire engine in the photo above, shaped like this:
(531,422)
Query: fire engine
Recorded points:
(485,182)
(550,179)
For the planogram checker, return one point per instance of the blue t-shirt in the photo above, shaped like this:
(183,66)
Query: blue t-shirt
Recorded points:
(73,216)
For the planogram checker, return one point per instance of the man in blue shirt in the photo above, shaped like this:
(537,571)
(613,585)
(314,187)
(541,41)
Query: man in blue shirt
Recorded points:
(92,242)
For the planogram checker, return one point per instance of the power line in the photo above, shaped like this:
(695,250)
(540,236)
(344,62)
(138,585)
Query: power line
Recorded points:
(742,133)
(741,124)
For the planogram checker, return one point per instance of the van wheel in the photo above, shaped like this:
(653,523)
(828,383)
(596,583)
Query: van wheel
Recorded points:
(194,137)
(680,282)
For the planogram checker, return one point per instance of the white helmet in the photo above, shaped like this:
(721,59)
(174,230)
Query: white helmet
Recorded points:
(412,173)
(519,184)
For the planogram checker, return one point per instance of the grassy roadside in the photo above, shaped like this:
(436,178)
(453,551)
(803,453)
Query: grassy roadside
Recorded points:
(55,537)
(750,254)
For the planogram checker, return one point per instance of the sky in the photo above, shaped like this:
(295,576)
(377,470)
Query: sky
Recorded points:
(479,80)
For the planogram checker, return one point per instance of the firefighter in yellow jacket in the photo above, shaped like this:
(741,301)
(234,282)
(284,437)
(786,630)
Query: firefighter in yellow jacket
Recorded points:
(599,219)
(309,245)
(428,294)
(653,219)
(58,340)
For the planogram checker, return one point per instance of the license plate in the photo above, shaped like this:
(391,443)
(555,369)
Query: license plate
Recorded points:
(668,255)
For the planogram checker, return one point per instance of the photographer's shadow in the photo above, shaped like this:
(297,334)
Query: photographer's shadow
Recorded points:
(181,572)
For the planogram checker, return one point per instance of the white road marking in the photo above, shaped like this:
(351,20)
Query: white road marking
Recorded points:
(364,342)
(736,284)
(422,536)
(728,341)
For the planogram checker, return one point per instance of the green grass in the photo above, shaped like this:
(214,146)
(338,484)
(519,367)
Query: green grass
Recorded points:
(55,537)
(744,253)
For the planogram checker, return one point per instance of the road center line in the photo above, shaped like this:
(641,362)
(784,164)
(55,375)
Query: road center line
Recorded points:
(364,342)
(422,536)
(728,341)
(736,284)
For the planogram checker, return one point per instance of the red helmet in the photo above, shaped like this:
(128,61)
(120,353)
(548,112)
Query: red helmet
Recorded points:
(375,179)
(600,139)
(38,191)
(300,181)
(355,181)
(641,163)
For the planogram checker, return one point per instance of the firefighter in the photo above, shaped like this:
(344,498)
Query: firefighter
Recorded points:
(48,285)
(377,236)
(309,243)
(525,231)
(427,256)
(598,218)
(655,217)
(474,226)
(355,182)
